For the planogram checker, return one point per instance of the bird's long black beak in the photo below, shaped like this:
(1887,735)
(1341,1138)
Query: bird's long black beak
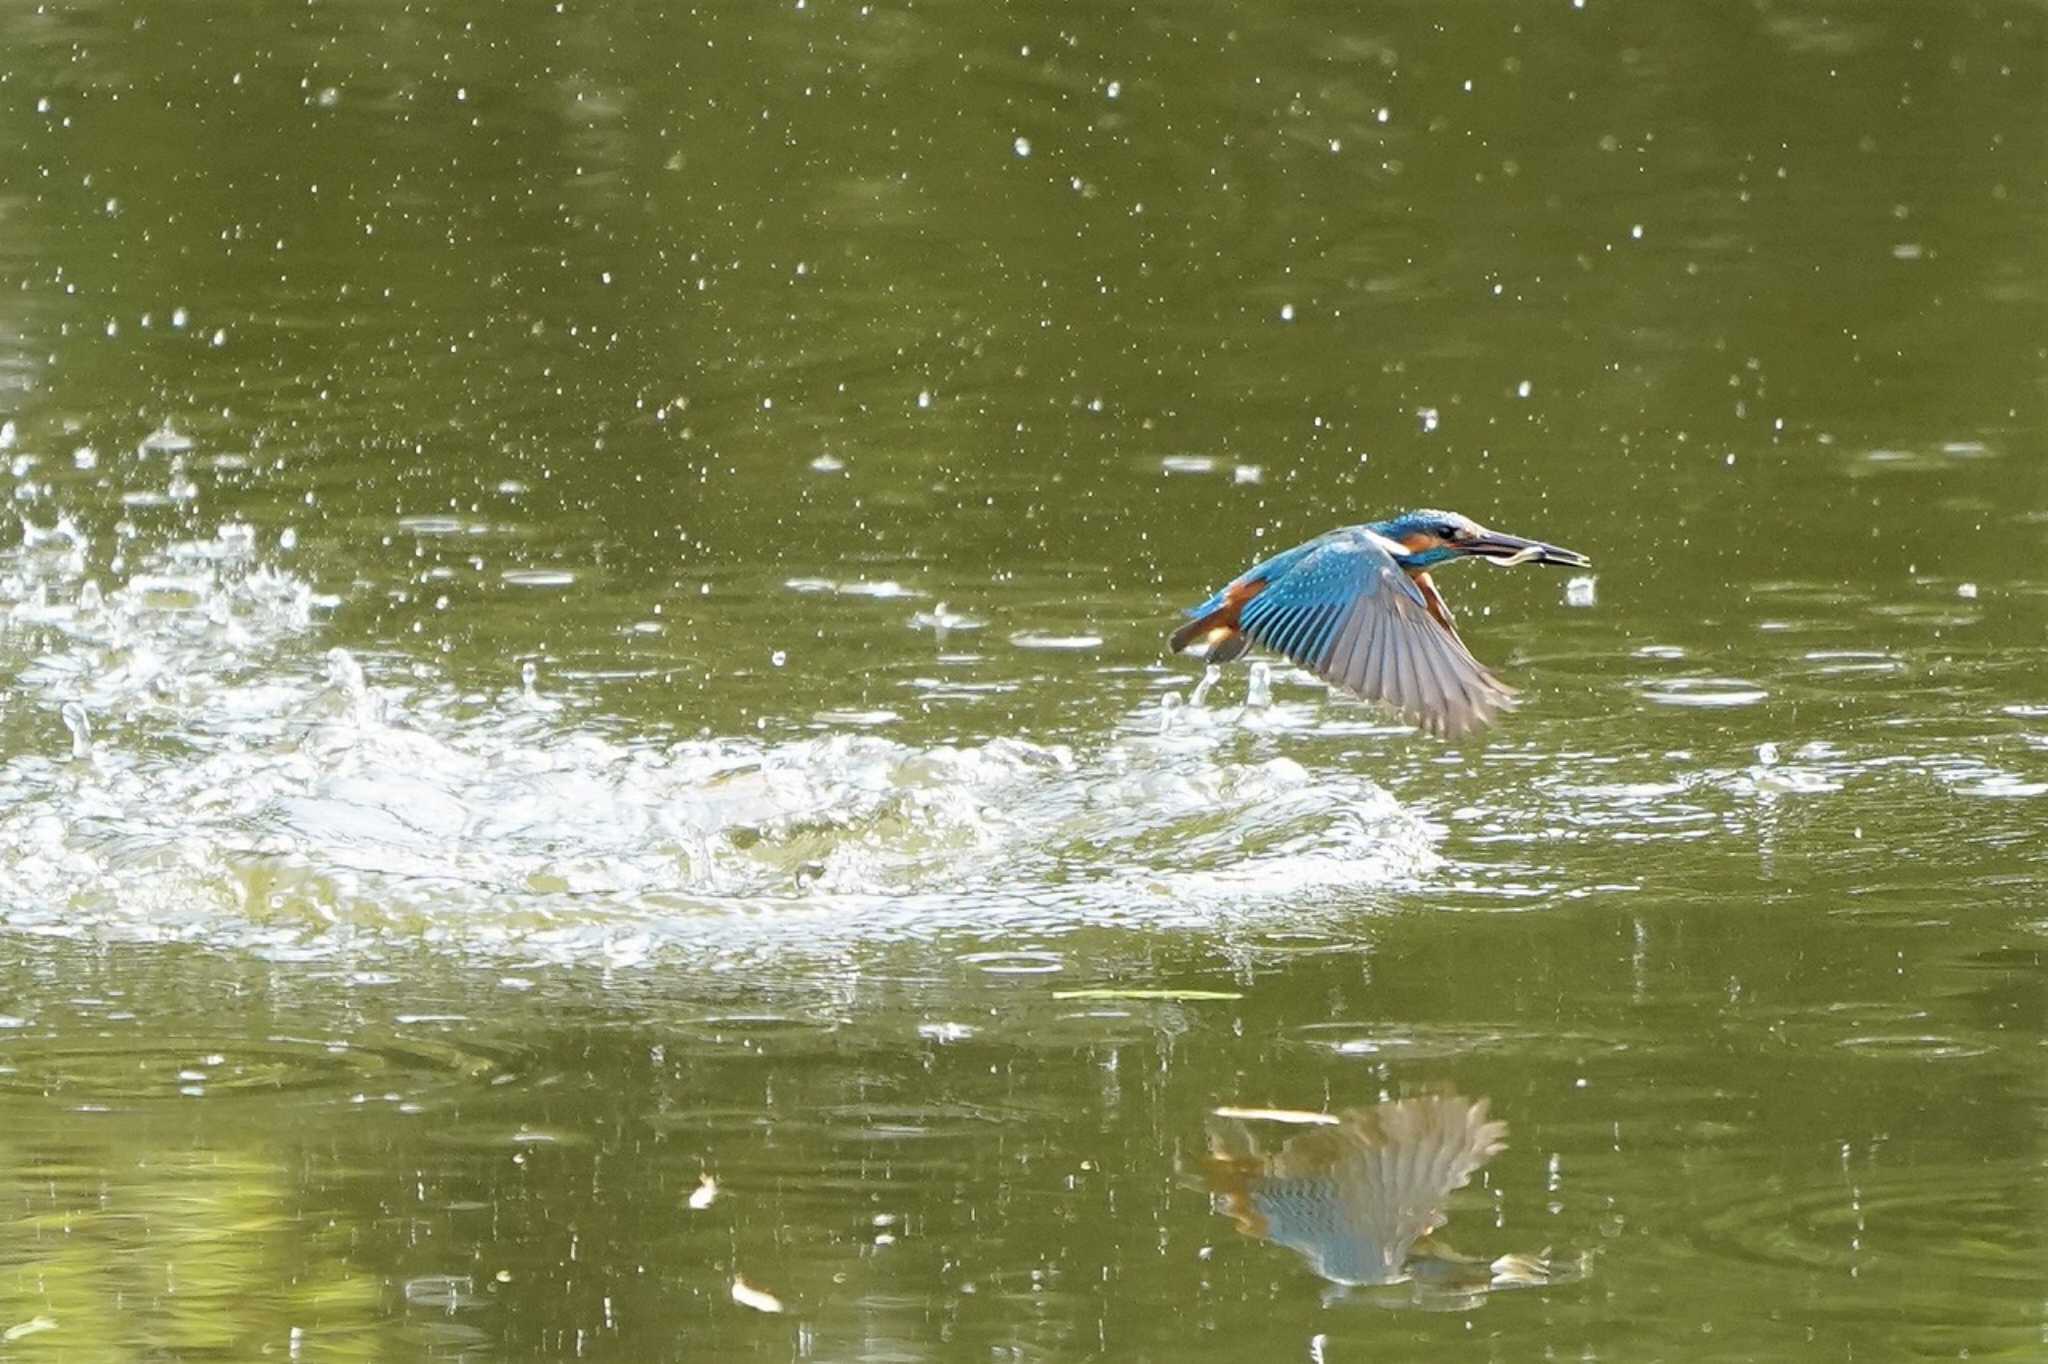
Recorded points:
(1505,550)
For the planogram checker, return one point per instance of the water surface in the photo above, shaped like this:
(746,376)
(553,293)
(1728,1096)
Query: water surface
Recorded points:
(588,616)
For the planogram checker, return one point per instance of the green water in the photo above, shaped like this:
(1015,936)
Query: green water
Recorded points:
(589,614)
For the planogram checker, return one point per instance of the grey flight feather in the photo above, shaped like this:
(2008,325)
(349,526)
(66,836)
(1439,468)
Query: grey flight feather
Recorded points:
(1347,612)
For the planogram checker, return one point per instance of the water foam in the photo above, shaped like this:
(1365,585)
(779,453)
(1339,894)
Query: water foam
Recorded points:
(227,781)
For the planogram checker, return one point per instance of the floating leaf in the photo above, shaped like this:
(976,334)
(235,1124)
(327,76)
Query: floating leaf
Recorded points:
(34,1326)
(746,1295)
(1296,1115)
(1146,994)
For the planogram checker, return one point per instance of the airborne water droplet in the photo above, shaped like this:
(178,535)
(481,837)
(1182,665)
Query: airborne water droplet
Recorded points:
(345,675)
(80,726)
(1260,693)
(344,672)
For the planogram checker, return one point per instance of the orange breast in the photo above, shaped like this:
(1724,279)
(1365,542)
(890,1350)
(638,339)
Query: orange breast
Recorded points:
(1434,600)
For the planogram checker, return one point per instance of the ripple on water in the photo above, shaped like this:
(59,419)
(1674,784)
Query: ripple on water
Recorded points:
(442,525)
(872,1122)
(860,719)
(537,577)
(1840,662)
(1947,1247)
(1710,692)
(119,1072)
(1032,639)
(887,589)
(758,1034)
(1944,456)
(1881,1030)
(1913,1046)
(2003,786)
(1438,1041)
(618,663)
(1016,963)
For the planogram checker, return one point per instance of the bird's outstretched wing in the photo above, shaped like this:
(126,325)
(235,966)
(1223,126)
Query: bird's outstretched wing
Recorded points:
(1347,612)
(1356,1193)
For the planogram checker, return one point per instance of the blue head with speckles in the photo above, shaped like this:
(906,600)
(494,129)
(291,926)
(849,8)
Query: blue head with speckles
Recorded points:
(1434,537)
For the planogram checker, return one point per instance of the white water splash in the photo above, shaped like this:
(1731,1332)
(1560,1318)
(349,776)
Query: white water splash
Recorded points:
(230,782)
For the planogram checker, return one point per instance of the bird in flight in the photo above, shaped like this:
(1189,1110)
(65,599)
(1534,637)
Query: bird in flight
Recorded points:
(1357,1192)
(1356,606)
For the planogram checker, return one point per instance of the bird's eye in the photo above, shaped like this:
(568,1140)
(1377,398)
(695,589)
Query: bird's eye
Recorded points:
(1452,532)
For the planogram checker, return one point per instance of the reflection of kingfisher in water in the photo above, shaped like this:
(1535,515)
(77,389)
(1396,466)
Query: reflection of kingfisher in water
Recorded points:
(1357,606)
(1358,1192)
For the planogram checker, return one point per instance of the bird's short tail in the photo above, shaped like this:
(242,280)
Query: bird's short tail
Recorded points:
(1217,631)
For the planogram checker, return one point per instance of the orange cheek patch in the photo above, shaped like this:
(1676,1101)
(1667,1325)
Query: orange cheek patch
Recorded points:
(1419,540)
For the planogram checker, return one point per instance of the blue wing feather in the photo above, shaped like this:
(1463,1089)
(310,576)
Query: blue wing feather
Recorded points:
(1270,569)
(1332,571)
(1297,630)
(1326,629)
(1342,606)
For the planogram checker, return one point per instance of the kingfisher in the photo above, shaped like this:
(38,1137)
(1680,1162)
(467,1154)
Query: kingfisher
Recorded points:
(1357,1192)
(1356,606)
